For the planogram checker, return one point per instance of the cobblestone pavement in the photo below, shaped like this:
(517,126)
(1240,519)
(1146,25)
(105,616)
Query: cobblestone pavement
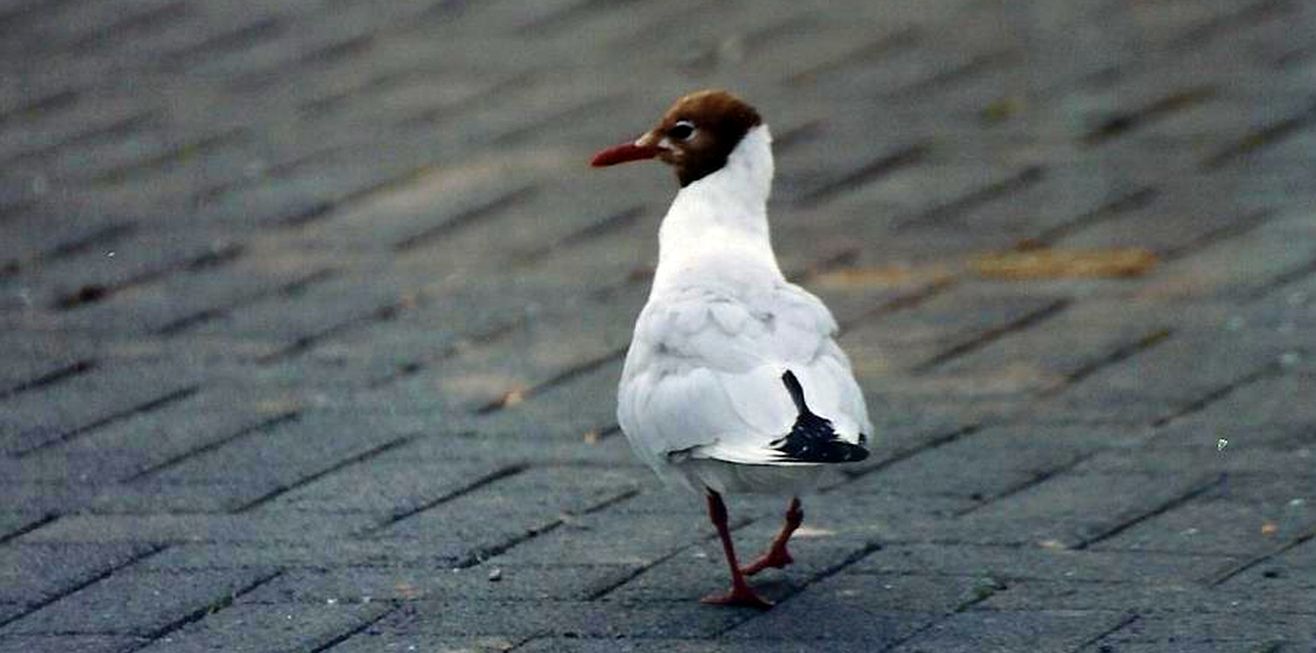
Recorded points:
(313,315)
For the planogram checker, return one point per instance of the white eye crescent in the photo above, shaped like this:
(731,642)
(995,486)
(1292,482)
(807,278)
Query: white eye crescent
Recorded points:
(683,130)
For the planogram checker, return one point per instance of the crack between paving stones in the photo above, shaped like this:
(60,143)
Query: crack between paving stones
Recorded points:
(1234,229)
(1277,282)
(934,443)
(253,429)
(1124,122)
(900,303)
(496,475)
(136,26)
(42,106)
(1037,479)
(1127,621)
(176,154)
(1220,578)
(486,337)
(306,480)
(1201,403)
(67,249)
(340,638)
(71,370)
(144,407)
(613,222)
(305,343)
(866,174)
(465,218)
(937,215)
(288,289)
(94,293)
(322,209)
(987,593)
(1260,139)
(151,551)
(1115,356)
(200,613)
(883,47)
(1193,492)
(1131,201)
(991,335)
(542,122)
(607,589)
(432,116)
(565,376)
(253,80)
(1224,23)
(976,65)
(736,524)
(218,45)
(483,554)
(109,131)
(13,535)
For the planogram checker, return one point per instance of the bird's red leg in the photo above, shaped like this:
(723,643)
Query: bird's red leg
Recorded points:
(740,593)
(777,556)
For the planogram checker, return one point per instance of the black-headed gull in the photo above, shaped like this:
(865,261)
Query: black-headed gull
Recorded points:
(734,381)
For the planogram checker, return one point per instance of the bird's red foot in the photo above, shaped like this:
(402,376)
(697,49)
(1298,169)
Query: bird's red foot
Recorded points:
(740,595)
(775,557)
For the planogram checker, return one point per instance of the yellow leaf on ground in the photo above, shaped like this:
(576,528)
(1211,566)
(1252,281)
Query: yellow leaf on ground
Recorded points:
(1065,263)
(894,275)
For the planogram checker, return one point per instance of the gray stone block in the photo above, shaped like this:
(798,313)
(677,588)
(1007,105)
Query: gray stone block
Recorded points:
(982,630)
(144,604)
(285,627)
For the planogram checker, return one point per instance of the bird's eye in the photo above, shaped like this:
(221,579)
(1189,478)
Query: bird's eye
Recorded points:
(682,130)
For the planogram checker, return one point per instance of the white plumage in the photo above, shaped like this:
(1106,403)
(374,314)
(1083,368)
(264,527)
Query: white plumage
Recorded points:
(702,398)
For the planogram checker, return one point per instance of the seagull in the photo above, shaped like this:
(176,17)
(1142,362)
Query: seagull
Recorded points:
(733,381)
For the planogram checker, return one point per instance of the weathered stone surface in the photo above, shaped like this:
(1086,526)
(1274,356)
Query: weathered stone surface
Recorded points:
(314,310)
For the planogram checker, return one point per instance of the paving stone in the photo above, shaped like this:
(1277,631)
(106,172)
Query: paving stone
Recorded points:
(374,639)
(980,630)
(145,604)
(312,554)
(37,573)
(493,581)
(271,527)
(1253,628)
(1024,563)
(457,619)
(1218,526)
(13,524)
(585,645)
(88,643)
(1068,511)
(1190,597)
(362,329)
(268,628)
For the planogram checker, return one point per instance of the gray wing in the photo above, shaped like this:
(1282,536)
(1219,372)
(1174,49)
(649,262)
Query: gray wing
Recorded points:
(704,375)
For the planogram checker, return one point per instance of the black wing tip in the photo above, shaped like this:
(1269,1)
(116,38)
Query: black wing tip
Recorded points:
(796,392)
(832,451)
(813,440)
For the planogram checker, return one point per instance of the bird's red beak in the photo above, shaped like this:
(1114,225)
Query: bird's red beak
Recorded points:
(641,149)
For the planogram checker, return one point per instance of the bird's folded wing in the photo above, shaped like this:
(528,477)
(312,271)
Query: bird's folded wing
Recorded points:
(704,374)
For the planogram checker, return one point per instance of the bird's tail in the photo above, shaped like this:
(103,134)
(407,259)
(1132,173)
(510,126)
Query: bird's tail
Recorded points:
(812,439)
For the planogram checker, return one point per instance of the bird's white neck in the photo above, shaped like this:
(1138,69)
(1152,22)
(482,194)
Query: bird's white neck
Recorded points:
(718,225)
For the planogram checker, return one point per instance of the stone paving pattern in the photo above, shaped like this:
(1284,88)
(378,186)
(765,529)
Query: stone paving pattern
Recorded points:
(313,315)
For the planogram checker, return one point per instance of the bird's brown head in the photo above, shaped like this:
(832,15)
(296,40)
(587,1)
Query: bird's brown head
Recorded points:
(695,136)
